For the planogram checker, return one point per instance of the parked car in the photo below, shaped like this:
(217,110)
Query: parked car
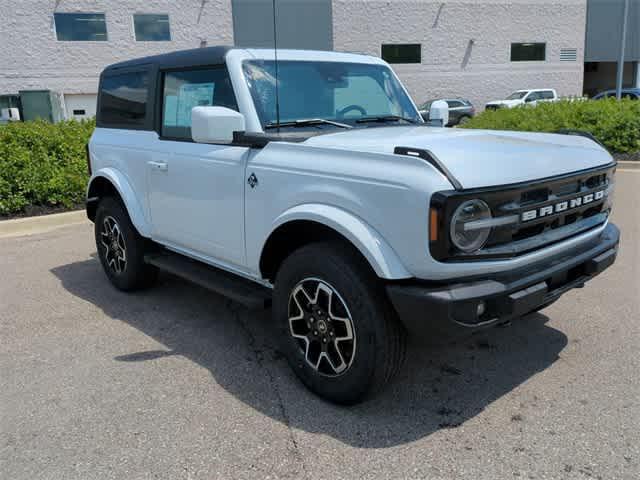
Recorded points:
(632,93)
(460,110)
(336,204)
(524,97)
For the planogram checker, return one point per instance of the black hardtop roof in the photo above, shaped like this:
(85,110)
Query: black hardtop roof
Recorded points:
(181,58)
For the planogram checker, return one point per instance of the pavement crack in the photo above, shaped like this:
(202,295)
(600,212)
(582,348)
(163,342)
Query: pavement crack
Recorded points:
(259,355)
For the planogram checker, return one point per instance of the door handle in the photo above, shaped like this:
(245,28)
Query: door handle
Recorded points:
(160,166)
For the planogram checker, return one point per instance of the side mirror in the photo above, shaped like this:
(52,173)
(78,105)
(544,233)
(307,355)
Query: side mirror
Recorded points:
(215,124)
(439,113)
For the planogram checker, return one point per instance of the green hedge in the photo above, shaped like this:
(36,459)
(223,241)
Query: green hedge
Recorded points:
(615,124)
(43,164)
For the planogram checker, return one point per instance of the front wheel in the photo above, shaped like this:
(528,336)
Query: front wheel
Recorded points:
(337,328)
(121,248)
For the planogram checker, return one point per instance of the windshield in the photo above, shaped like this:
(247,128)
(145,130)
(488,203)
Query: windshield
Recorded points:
(336,91)
(516,95)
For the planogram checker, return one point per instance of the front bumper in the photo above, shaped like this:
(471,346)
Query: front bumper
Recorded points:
(429,309)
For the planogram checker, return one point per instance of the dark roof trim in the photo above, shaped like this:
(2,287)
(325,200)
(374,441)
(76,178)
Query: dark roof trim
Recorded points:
(179,59)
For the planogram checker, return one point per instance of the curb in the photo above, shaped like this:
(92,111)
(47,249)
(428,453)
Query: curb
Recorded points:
(40,224)
(628,165)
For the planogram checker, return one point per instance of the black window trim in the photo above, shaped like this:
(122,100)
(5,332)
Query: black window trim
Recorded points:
(159,98)
(150,107)
(133,24)
(106,28)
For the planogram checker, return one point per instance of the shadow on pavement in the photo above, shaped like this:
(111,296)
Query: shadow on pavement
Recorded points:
(440,386)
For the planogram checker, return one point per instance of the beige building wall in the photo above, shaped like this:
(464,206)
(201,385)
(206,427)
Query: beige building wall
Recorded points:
(466,44)
(32,58)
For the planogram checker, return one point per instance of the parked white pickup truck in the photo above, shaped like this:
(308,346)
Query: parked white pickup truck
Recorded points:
(314,185)
(524,97)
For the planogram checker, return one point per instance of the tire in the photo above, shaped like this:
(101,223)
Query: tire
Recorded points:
(120,247)
(344,370)
(464,119)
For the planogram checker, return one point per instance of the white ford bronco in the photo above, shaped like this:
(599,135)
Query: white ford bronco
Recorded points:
(309,182)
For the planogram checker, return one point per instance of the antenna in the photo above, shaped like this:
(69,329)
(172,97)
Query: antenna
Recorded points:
(275,54)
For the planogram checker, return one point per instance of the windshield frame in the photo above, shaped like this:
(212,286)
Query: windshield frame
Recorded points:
(405,102)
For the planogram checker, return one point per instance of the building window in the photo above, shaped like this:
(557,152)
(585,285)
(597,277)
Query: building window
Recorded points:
(151,27)
(184,90)
(78,27)
(528,52)
(402,53)
(123,99)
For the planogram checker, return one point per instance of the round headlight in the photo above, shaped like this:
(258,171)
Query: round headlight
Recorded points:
(466,234)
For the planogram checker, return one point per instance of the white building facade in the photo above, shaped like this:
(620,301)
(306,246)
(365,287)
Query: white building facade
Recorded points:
(479,50)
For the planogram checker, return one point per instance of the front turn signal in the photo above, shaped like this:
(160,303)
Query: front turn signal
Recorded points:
(433,225)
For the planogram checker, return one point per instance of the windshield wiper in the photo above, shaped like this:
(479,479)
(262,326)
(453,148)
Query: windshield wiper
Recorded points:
(306,122)
(385,118)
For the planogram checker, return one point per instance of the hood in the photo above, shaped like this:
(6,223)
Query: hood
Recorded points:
(506,103)
(479,158)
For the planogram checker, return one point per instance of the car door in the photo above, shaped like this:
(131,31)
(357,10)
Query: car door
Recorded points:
(532,98)
(196,194)
(455,111)
(546,96)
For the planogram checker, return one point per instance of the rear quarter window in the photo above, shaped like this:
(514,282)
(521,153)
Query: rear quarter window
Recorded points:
(124,100)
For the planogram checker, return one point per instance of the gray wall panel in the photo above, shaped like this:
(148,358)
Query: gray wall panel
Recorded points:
(305,24)
(604,30)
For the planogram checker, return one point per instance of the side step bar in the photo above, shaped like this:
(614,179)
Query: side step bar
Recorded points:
(245,292)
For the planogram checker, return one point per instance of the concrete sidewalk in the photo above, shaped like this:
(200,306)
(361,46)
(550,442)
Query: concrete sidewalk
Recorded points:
(628,165)
(44,223)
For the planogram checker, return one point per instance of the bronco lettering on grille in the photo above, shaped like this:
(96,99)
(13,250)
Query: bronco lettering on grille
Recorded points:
(560,207)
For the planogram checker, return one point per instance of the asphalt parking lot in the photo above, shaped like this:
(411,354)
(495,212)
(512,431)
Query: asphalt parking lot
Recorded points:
(178,383)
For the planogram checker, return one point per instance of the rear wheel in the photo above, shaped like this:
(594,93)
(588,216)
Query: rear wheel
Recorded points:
(338,330)
(121,248)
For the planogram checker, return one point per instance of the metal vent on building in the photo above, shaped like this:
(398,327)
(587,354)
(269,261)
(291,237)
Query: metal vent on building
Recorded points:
(568,54)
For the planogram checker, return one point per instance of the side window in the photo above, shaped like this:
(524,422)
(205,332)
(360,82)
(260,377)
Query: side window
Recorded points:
(123,100)
(454,103)
(546,95)
(532,97)
(186,89)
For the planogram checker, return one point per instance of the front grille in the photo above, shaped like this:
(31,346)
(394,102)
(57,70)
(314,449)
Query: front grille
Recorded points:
(541,213)
(552,194)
